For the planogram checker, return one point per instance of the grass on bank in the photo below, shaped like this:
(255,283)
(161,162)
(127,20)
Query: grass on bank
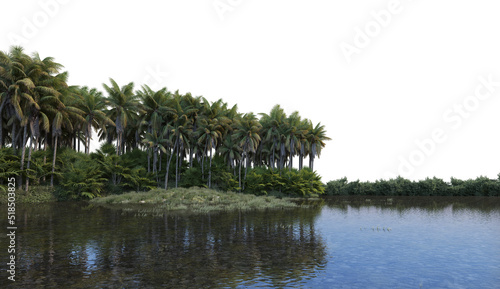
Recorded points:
(195,199)
(36,194)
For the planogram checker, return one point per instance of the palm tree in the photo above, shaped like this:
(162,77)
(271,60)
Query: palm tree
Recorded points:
(124,103)
(29,83)
(230,151)
(155,106)
(270,128)
(64,117)
(178,131)
(316,138)
(211,133)
(15,85)
(92,103)
(302,131)
(196,107)
(247,135)
(156,142)
(16,92)
(292,135)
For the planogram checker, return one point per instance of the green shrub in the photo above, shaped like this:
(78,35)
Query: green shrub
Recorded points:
(481,186)
(81,177)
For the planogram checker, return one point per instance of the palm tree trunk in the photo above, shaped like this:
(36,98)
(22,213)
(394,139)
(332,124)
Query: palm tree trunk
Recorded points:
(45,153)
(4,101)
(301,155)
(149,159)
(89,136)
(160,155)
(246,166)
(273,148)
(14,138)
(53,163)
(282,156)
(155,160)
(203,160)
(29,162)
(25,133)
(177,163)
(311,156)
(118,144)
(210,171)
(239,178)
(168,165)
(191,157)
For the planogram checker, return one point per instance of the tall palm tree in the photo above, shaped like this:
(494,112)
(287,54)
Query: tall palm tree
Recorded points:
(316,138)
(195,112)
(156,142)
(124,105)
(271,130)
(15,85)
(92,103)
(179,129)
(292,135)
(155,106)
(28,83)
(230,151)
(211,134)
(247,134)
(64,117)
(17,93)
(302,132)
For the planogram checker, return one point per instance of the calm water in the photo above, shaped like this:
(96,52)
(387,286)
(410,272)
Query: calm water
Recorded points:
(335,243)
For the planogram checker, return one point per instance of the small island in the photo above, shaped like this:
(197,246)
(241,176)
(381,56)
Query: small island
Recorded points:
(194,199)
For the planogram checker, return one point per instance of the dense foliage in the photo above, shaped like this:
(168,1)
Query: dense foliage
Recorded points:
(481,186)
(152,138)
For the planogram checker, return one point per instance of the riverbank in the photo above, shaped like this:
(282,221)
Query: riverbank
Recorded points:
(195,199)
(36,194)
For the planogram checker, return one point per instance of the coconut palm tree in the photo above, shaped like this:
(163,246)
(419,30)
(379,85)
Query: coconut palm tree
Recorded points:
(292,138)
(196,107)
(16,93)
(124,105)
(178,131)
(302,131)
(316,138)
(156,141)
(37,86)
(210,136)
(270,129)
(247,135)
(15,85)
(92,103)
(155,106)
(230,151)
(64,117)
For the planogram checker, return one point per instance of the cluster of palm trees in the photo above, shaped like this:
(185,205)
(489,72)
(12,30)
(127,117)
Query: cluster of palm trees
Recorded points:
(40,111)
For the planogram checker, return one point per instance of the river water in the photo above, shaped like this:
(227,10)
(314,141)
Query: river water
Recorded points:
(349,242)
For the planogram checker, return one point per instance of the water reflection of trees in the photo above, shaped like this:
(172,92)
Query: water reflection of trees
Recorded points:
(65,245)
(482,204)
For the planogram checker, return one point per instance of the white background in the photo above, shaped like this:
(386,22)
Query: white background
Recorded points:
(423,58)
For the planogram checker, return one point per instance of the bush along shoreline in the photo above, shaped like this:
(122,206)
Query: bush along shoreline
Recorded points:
(80,176)
(481,186)
(194,199)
